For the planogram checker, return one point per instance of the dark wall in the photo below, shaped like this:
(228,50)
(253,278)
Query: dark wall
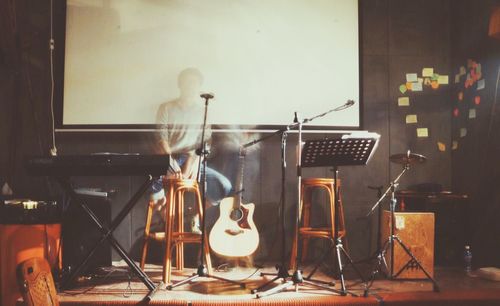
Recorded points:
(397,37)
(475,166)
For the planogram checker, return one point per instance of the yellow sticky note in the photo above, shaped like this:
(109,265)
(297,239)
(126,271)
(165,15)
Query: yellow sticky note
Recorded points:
(427,72)
(411,119)
(463,132)
(403,101)
(457,78)
(472,113)
(454,145)
(443,79)
(427,81)
(422,132)
(441,146)
(462,71)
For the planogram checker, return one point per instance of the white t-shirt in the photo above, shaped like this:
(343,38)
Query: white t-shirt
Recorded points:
(181,125)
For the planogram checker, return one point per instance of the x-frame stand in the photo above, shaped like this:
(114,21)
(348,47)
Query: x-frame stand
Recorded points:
(296,278)
(389,242)
(203,152)
(107,235)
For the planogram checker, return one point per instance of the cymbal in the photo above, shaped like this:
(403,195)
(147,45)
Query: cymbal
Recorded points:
(407,158)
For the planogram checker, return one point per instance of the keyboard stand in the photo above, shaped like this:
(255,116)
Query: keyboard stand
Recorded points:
(107,235)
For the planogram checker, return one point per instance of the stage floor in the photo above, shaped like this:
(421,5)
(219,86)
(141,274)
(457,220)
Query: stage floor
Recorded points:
(112,287)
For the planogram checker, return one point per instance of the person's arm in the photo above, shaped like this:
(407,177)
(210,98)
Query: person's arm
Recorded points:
(190,166)
(162,142)
(165,149)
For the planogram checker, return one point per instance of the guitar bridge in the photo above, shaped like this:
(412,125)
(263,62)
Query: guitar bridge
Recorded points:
(234,232)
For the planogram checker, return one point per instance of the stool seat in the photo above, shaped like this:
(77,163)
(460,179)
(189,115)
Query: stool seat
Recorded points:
(319,232)
(174,234)
(305,230)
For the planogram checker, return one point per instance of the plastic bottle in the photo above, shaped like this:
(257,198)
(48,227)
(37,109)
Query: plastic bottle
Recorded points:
(468,259)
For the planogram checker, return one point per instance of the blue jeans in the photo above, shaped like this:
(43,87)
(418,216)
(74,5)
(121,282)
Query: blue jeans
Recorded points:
(218,186)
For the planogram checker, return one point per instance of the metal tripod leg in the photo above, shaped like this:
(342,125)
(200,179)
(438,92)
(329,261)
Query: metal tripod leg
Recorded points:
(296,280)
(382,260)
(340,251)
(282,273)
(435,286)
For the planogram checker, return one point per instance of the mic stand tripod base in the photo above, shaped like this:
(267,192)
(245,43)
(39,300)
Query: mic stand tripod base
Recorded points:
(288,280)
(339,251)
(202,271)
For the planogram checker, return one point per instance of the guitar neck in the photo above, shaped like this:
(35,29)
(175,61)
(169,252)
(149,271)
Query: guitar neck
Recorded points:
(239,182)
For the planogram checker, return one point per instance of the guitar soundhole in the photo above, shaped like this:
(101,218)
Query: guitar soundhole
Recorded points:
(236,214)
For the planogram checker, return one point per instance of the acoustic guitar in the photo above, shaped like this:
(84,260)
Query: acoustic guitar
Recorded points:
(234,233)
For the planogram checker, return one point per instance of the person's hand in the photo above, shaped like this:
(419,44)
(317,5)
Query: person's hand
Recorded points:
(190,168)
(191,172)
(175,171)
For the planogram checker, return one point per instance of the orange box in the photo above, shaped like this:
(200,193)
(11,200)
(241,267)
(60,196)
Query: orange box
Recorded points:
(19,243)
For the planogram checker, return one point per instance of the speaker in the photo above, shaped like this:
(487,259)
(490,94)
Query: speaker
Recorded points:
(80,234)
(416,231)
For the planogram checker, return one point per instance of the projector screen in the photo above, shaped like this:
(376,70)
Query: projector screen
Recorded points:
(262,60)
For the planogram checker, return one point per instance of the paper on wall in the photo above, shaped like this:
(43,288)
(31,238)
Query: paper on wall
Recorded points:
(441,146)
(417,86)
(427,72)
(422,132)
(411,77)
(480,84)
(472,113)
(410,119)
(403,101)
(443,79)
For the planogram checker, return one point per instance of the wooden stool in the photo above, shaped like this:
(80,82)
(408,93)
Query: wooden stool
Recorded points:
(175,235)
(305,230)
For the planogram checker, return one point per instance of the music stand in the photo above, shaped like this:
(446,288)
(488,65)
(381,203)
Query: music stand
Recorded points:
(349,150)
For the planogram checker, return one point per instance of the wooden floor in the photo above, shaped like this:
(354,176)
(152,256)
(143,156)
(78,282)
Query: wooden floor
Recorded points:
(112,287)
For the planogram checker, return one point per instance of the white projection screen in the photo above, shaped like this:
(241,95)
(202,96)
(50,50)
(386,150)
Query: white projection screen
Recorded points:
(262,59)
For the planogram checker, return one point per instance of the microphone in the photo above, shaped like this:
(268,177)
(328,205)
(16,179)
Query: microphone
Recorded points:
(349,103)
(207,96)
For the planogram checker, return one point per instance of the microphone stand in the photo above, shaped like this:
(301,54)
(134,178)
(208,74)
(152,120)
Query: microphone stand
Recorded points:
(282,271)
(203,152)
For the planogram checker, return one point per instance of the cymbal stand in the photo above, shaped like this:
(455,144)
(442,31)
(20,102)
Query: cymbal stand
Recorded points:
(390,241)
(203,151)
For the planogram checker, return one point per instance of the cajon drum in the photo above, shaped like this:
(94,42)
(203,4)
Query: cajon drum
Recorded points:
(36,283)
(416,231)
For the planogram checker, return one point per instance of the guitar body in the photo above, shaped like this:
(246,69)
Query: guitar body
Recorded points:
(234,234)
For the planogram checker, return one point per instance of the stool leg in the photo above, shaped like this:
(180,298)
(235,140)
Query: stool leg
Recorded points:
(169,220)
(147,228)
(331,195)
(180,229)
